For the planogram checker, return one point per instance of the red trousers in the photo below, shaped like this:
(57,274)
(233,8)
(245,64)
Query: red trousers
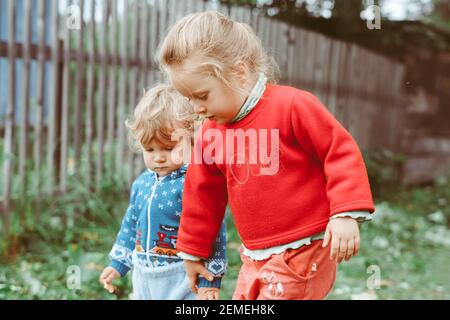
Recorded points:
(296,274)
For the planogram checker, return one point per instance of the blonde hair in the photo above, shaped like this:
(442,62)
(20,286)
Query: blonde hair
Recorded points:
(225,41)
(160,112)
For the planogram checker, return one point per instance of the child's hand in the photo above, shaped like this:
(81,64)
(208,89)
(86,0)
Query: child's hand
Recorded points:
(208,294)
(344,235)
(108,275)
(193,270)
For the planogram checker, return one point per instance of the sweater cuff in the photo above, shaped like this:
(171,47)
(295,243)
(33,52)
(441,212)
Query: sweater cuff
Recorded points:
(121,268)
(203,283)
(360,216)
(186,256)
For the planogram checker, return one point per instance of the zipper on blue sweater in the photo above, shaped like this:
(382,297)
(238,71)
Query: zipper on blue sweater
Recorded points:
(158,181)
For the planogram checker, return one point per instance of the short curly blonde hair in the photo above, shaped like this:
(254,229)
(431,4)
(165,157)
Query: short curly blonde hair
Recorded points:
(160,112)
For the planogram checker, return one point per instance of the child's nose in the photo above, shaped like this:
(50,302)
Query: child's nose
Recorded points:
(200,109)
(160,158)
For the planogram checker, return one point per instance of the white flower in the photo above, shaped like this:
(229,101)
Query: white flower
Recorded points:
(368,295)
(55,222)
(437,217)
(382,211)
(395,227)
(342,290)
(439,235)
(404,285)
(380,242)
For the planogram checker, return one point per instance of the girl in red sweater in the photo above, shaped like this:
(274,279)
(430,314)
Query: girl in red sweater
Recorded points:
(294,178)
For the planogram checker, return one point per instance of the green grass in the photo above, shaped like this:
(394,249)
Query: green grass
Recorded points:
(408,241)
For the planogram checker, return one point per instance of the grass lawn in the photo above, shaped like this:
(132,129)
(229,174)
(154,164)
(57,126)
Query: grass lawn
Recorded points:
(72,236)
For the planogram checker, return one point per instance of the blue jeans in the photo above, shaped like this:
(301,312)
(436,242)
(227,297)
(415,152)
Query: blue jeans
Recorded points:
(160,283)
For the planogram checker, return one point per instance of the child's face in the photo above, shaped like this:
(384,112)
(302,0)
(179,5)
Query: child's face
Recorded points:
(163,159)
(211,98)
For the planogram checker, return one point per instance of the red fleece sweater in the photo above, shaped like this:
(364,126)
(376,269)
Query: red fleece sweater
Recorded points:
(318,172)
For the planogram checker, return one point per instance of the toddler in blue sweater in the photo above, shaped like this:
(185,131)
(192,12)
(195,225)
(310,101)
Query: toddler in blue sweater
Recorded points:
(146,242)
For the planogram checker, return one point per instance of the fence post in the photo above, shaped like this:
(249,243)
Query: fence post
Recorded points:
(8,148)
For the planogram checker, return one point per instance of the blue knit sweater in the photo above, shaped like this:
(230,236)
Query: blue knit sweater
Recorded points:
(150,227)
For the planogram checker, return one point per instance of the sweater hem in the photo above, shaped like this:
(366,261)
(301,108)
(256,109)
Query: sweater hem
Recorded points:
(282,239)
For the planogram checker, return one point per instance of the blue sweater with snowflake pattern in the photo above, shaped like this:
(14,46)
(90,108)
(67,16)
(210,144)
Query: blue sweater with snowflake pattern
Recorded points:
(150,227)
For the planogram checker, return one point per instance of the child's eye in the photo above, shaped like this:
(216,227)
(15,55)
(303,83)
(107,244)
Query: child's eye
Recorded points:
(149,149)
(203,98)
(169,149)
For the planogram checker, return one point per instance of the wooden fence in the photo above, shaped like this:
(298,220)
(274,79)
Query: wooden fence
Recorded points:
(100,69)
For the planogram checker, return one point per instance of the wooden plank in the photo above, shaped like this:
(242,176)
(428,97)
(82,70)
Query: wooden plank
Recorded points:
(198,6)
(152,42)
(352,104)
(321,60)
(373,103)
(65,112)
(79,93)
(344,74)
(291,57)
(122,92)
(38,142)
(281,44)
(254,18)
(134,79)
(144,38)
(146,57)
(369,102)
(8,148)
(223,8)
(250,16)
(112,80)
(25,103)
(333,75)
(309,58)
(101,98)
(300,51)
(265,34)
(51,120)
(163,19)
(394,107)
(382,70)
(399,118)
(90,94)
(173,13)
(242,14)
(235,13)
(182,9)
(349,88)
(361,95)
(376,133)
(273,36)
(189,5)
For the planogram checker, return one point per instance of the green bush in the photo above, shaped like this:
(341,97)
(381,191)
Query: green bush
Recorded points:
(384,170)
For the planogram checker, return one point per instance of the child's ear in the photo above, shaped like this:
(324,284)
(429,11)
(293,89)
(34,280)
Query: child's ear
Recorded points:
(242,72)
